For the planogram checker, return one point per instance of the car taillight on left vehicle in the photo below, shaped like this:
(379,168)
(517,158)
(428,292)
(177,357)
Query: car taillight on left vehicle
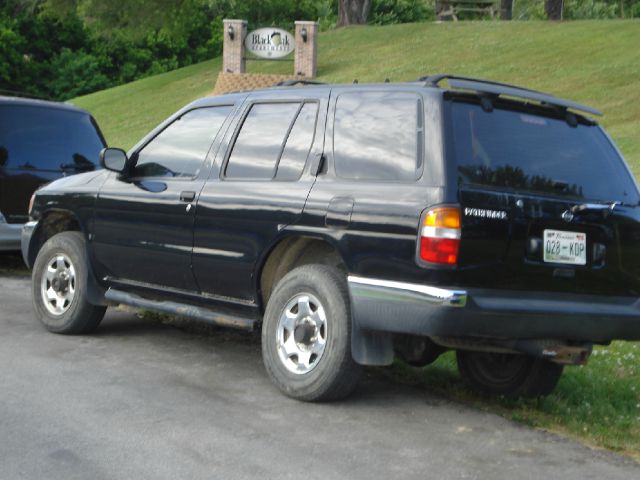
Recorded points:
(439,237)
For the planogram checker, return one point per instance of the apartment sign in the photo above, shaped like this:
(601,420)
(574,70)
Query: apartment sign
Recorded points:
(269,43)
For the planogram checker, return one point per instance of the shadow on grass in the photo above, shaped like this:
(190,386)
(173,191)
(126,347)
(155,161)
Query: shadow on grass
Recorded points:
(598,404)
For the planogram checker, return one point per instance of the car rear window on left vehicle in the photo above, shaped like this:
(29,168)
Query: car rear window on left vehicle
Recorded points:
(42,138)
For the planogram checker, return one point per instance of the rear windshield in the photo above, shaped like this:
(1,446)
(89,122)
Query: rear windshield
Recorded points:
(41,138)
(515,150)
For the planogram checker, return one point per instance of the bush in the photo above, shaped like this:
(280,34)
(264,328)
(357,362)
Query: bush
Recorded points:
(384,12)
(77,73)
(589,9)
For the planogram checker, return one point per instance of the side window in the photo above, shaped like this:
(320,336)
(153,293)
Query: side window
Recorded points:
(44,138)
(259,144)
(181,148)
(295,153)
(378,136)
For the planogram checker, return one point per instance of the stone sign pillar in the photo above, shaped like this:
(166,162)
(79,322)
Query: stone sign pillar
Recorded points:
(233,46)
(306,54)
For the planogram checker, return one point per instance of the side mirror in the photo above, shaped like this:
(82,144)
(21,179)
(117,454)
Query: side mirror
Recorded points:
(114,159)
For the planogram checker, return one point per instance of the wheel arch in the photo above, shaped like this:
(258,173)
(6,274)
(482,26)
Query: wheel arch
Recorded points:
(367,348)
(56,221)
(290,252)
(52,222)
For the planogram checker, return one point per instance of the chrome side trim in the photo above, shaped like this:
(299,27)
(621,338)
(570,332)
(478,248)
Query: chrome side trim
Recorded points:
(400,291)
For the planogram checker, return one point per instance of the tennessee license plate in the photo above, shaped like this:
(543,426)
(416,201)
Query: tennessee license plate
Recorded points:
(565,247)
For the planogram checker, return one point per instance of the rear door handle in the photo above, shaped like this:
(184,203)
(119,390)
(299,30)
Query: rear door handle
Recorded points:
(187,196)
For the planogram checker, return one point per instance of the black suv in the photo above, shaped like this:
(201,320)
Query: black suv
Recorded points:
(355,222)
(39,142)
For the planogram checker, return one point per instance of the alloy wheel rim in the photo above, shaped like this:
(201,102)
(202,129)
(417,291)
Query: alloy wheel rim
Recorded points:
(58,284)
(302,334)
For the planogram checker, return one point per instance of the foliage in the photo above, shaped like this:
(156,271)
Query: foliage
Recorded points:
(590,9)
(62,48)
(579,9)
(77,73)
(385,12)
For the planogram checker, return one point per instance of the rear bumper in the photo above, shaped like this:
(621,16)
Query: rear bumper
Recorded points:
(386,306)
(9,235)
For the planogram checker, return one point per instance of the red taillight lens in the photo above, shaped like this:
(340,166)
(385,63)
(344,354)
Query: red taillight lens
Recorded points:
(440,236)
(439,250)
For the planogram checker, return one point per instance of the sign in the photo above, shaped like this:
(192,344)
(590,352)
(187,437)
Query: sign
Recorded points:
(269,43)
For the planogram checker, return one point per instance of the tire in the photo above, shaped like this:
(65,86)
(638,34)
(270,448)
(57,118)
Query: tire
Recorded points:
(58,286)
(306,335)
(510,375)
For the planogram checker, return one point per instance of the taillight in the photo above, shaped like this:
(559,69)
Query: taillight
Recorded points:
(440,236)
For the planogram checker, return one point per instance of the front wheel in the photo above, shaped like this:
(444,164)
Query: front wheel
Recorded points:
(306,335)
(59,286)
(511,375)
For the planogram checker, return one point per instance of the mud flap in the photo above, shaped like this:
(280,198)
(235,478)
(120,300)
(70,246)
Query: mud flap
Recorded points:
(369,347)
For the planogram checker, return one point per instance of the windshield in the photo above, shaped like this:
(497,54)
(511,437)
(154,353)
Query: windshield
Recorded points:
(519,151)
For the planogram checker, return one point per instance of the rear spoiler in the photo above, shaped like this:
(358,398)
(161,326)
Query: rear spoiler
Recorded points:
(498,89)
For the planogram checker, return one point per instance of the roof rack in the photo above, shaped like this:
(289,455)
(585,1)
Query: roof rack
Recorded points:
(497,89)
(434,80)
(291,83)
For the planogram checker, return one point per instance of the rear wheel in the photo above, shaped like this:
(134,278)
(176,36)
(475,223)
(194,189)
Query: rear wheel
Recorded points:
(507,374)
(306,335)
(58,286)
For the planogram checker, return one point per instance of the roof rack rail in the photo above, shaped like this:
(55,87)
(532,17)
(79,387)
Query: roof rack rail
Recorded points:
(498,89)
(291,83)
(434,80)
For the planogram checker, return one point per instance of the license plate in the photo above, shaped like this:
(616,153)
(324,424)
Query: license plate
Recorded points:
(565,247)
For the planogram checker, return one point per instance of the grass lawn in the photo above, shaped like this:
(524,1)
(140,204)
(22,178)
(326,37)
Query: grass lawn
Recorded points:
(127,112)
(595,62)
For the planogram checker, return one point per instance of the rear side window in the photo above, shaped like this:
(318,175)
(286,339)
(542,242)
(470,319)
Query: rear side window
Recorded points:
(378,136)
(295,153)
(181,149)
(519,151)
(274,141)
(40,138)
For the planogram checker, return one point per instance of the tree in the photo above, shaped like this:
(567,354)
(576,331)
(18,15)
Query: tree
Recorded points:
(353,12)
(553,9)
(506,9)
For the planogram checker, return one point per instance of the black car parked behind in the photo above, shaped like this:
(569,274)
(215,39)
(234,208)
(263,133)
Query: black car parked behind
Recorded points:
(39,142)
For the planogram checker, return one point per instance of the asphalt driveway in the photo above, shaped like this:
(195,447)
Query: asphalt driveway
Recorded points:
(141,399)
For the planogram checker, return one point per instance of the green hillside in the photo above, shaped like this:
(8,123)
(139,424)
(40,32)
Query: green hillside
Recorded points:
(596,62)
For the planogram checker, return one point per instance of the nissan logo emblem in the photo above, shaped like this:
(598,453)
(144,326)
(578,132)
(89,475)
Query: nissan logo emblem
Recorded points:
(567,216)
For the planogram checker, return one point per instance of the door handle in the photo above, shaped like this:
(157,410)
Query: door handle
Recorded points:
(187,196)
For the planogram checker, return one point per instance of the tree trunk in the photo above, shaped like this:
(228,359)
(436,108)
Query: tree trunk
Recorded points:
(553,9)
(353,12)
(506,9)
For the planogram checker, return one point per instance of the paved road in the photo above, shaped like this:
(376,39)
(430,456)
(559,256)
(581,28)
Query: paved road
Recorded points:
(141,400)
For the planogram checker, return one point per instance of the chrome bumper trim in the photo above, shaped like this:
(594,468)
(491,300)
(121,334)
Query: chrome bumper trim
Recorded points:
(371,287)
